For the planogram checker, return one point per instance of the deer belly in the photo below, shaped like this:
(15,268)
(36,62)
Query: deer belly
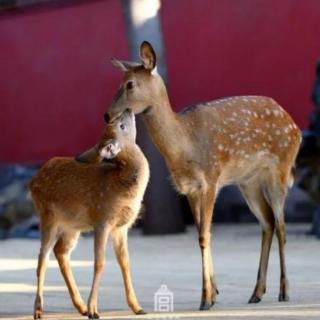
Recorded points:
(188,185)
(243,171)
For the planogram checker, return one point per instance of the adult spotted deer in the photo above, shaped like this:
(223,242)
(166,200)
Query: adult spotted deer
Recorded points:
(249,141)
(104,196)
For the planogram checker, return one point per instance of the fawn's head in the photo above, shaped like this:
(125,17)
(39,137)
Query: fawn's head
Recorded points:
(118,134)
(141,84)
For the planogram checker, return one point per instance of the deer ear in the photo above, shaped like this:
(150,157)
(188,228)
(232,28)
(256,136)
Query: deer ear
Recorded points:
(147,55)
(124,65)
(89,156)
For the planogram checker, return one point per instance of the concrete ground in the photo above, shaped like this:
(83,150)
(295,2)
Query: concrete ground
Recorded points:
(174,261)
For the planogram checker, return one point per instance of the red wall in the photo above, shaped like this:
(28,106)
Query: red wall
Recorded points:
(56,80)
(234,47)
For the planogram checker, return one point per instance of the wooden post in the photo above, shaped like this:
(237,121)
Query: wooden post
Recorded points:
(162,204)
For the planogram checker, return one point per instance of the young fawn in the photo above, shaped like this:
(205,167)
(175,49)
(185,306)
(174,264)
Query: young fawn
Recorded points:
(71,196)
(249,141)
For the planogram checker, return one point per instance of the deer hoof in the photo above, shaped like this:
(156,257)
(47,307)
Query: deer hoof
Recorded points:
(93,315)
(254,299)
(283,297)
(37,314)
(140,312)
(205,305)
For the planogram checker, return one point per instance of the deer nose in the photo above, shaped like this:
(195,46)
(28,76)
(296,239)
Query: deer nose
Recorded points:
(106,117)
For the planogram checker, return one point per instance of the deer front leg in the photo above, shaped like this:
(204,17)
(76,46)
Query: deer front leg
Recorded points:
(120,244)
(101,234)
(202,207)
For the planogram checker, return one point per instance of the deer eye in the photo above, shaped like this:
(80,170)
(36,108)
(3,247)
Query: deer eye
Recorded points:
(122,126)
(129,85)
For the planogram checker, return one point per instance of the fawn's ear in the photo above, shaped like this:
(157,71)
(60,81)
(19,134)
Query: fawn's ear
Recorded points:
(147,56)
(124,65)
(89,156)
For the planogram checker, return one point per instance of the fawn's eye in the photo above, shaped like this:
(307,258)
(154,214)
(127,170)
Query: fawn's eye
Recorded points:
(129,85)
(122,126)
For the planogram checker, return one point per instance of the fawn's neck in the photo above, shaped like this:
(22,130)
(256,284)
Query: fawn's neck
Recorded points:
(165,129)
(133,162)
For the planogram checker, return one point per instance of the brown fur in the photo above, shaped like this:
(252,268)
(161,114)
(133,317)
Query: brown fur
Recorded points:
(249,141)
(103,196)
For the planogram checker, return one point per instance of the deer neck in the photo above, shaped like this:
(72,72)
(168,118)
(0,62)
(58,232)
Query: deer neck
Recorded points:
(165,129)
(132,158)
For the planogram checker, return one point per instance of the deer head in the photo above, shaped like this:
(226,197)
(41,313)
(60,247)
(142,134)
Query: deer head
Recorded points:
(119,132)
(141,84)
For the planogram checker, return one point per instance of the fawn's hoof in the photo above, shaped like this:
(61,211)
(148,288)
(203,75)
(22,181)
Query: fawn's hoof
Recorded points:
(205,305)
(254,299)
(140,312)
(93,315)
(283,297)
(85,313)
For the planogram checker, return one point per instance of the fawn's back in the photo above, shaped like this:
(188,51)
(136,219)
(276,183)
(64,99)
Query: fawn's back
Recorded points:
(80,194)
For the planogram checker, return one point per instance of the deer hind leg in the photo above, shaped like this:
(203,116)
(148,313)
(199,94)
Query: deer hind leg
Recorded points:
(120,245)
(202,205)
(48,237)
(62,250)
(276,194)
(260,208)
(101,234)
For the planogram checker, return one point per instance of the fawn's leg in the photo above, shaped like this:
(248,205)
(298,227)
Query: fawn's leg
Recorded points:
(202,205)
(120,245)
(101,234)
(47,239)
(261,209)
(62,250)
